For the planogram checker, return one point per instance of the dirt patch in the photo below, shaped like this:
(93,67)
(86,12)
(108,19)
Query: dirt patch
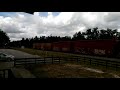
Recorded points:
(115,75)
(81,67)
(75,66)
(66,71)
(93,70)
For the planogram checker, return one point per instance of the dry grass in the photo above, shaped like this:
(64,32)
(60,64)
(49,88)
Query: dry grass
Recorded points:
(65,71)
(108,70)
(43,68)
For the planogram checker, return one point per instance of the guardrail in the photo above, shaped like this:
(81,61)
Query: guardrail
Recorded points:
(19,61)
(107,63)
(98,61)
(6,73)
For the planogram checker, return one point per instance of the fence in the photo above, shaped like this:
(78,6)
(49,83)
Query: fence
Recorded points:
(107,63)
(25,61)
(98,61)
(6,73)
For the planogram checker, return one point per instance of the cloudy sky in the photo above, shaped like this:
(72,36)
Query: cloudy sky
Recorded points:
(19,24)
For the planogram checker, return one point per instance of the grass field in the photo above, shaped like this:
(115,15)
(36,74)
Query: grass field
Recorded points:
(60,70)
(45,53)
(65,71)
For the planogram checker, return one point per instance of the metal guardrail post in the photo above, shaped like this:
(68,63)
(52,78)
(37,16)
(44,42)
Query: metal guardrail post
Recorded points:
(84,60)
(44,60)
(106,64)
(35,60)
(14,62)
(3,73)
(52,59)
(97,62)
(116,67)
(77,59)
(59,59)
(10,74)
(26,61)
(90,61)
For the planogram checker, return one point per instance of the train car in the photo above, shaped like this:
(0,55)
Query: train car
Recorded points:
(66,46)
(37,46)
(95,47)
(42,46)
(48,46)
(109,48)
(56,46)
(34,45)
(63,46)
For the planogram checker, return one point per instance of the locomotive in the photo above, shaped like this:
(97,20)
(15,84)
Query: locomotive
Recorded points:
(107,48)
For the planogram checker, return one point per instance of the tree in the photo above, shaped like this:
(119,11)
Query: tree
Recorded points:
(23,42)
(66,38)
(102,34)
(109,33)
(118,35)
(95,33)
(78,36)
(89,33)
(4,39)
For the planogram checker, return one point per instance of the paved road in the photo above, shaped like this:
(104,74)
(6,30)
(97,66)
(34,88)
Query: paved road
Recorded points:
(17,54)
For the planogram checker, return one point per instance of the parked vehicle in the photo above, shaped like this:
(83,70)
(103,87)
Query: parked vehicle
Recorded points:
(5,57)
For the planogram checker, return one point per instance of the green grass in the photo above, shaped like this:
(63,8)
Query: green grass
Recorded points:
(45,53)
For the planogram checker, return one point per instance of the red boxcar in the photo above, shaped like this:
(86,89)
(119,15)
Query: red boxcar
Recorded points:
(64,46)
(42,46)
(96,47)
(37,45)
(56,46)
(47,46)
(89,47)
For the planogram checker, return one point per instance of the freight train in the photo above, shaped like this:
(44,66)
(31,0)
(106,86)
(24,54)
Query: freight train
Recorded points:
(108,48)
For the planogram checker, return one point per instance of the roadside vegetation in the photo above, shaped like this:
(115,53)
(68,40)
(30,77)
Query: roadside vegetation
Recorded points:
(45,53)
(66,70)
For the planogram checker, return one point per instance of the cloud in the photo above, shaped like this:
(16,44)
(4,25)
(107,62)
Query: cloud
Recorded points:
(9,26)
(25,25)
(36,13)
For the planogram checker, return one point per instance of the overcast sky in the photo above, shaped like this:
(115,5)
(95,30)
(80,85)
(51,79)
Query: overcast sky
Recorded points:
(19,24)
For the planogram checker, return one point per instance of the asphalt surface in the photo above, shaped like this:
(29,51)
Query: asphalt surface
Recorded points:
(17,54)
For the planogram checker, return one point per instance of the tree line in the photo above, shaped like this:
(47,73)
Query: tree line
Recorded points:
(4,39)
(89,34)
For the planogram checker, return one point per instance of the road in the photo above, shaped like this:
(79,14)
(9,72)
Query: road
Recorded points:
(17,54)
